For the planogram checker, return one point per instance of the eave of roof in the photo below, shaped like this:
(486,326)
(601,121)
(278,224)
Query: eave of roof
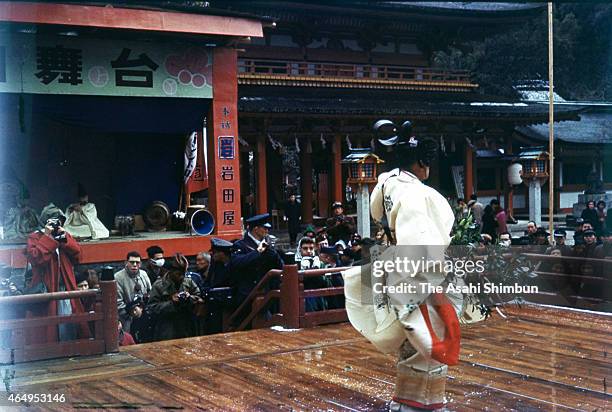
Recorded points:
(592,128)
(527,112)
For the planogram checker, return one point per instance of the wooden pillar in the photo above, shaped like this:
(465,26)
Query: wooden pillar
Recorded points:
(336,172)
(111,317)
(262,176)
(290,298)
(468,185)
(306,179)
(223,151)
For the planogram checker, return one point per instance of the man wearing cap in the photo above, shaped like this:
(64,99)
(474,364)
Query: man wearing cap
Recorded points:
(560,235)
(340,226)
(254,256)
(172,300)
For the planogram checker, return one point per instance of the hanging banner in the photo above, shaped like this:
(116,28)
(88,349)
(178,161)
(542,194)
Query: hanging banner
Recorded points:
(74,65)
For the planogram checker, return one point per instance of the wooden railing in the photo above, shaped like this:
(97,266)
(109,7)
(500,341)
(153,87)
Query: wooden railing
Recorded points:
(573,288)
(305,70)
(291,299)
(14,328)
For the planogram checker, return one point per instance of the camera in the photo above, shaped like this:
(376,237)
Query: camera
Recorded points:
(56,224)
(183,297)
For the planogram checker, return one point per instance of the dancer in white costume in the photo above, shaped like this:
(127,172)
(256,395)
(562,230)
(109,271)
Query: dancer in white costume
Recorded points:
(423,329)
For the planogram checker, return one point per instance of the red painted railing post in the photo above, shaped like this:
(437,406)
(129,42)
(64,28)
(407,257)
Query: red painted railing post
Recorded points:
(290,296)
(111,315)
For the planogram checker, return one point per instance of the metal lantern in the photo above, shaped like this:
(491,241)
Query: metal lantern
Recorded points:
(362,167)
(535,162)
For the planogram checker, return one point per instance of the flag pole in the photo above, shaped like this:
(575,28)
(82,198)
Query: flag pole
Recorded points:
(551,118)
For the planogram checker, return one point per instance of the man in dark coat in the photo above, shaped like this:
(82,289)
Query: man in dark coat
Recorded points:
(218,295)
(340,226)
(173,300)
(293,212)
(254,256)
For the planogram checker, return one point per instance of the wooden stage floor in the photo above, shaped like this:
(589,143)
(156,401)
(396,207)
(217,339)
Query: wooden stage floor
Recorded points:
(539,358)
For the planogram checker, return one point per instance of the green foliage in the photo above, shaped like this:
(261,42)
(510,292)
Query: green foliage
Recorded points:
(502,265)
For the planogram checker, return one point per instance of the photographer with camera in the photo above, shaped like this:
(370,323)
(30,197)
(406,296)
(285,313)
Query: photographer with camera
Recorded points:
(340,226)
(173,300)
(254,256)
(131,282)
(53,253)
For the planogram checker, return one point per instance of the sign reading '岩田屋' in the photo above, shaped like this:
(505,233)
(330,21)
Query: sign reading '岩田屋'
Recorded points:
(71,65)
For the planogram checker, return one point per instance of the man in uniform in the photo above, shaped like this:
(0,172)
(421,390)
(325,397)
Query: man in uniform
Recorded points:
(218,294)
(254,256)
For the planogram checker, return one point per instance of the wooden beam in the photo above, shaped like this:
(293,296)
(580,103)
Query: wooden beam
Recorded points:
(131,19)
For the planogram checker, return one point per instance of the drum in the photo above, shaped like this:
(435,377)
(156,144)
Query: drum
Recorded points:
(157,216)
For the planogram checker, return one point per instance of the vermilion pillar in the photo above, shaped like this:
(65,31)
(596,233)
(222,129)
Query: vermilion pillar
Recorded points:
(469,172)
(262,178)
(509,198)
(306,178)
(337,170)
(223,150)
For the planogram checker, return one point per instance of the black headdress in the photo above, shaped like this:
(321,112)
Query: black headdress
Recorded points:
(404,147)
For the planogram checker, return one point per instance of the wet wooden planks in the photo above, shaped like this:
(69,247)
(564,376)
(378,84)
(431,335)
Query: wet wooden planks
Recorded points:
(537,359)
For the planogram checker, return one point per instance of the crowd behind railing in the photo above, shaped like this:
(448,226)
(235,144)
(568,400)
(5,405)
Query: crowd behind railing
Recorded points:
(161,297)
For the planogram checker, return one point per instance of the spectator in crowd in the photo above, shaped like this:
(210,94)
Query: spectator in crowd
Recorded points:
(309,260)
(340,226)
(600,226)
(532,228)
(354,251)
(143,321)
(489,223)
(329,257)
(461,210)
(131,281)
(293,213)
(254,256)
(505,239)
(92,279)
(321,241)
(219,273)
(541,237)
(500,217)
(81,280)
(310,232)
(477,209)
(203,264)
(560,245)
(604,251)
(219,276)
(154,266)
(53,254)
(590,214)
(173,300)
(7,286)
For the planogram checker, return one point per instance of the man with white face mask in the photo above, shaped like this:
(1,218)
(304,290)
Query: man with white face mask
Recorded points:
(154,266)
